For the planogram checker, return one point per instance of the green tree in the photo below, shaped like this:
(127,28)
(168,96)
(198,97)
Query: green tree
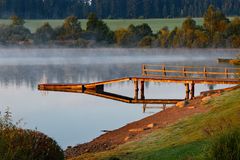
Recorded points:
(189,24)
(71,29)
(201,39)
(72,26)
(44,34)
(163,37)
(122,37)
(214,21)
(92,22)
(17,20)
(99,29)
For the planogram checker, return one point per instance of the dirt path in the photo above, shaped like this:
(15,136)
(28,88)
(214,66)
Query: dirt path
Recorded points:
(134,130)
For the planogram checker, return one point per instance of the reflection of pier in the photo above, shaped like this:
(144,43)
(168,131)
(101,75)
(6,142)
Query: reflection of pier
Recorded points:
(189,76)
(146,106)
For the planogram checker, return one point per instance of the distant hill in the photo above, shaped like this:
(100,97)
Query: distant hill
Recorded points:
(59,9)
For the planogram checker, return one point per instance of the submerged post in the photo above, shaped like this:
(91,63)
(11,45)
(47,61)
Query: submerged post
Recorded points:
(136,89)
(142,90)
(144,108)
(192,92)
(164,107)
(187,90)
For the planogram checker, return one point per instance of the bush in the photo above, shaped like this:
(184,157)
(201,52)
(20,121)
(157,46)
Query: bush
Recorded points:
(146,42)
(44,34)
(70,30)
(15,33)
(99,29)
(20,144)
(225,147)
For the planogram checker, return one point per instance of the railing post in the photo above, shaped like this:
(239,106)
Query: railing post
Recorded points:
(143,69)
(184,72)
(205,71)
(164,70)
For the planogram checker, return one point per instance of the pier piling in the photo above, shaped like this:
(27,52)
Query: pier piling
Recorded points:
(192,92)
(136,89)
(187,90)
(142,90)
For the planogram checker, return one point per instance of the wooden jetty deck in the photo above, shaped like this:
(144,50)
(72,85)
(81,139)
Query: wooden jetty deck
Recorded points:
(187,75)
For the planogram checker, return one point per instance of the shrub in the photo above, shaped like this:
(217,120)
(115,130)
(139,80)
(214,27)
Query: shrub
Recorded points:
(20,144)
(146,42)
(17,20)
(70,30)
(44,34)
(225,147)
(100,29)
(15,33)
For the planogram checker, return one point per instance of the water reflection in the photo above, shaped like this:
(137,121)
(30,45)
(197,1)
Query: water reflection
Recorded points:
(76,118)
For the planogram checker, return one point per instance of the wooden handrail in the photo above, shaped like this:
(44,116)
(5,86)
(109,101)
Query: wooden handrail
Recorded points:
(186,71)
(207,67)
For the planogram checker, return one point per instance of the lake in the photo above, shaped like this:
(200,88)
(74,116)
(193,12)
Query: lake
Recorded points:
(73,118)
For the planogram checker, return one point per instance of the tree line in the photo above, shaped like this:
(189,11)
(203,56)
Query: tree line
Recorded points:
(58,9)
(217,31)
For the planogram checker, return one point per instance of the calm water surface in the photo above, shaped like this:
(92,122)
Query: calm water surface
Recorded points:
(72,118)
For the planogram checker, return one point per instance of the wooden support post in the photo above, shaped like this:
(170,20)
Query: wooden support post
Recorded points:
(184,72)
(226,72)
(136,89)
(205,72)
(187,90)
(142,90)
(144,73)
(192,92)
(164,70)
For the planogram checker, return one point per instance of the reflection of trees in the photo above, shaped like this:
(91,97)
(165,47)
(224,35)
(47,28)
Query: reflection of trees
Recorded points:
(30,76)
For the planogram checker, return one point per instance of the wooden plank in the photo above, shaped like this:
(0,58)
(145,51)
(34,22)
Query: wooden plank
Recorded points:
(111,96)
(108,82)
(60,86)
(157,101)
(187,80)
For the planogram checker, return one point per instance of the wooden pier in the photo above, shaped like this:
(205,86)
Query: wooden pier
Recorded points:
(187,75)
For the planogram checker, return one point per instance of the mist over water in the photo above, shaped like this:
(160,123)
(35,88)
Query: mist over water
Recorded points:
(72,118)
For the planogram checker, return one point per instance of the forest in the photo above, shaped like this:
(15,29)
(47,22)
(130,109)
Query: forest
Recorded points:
(59,9)
(217,31)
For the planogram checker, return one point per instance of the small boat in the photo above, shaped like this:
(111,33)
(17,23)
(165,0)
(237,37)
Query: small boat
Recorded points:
(225,60)
(235,61)
(230,61)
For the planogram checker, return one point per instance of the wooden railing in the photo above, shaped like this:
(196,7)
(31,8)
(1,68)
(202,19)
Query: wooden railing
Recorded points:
(190,71)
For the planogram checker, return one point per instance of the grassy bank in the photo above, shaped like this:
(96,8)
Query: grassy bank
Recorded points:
(114,24)
(187,139)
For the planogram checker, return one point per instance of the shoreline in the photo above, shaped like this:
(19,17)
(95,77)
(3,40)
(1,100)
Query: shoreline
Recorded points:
(135,130)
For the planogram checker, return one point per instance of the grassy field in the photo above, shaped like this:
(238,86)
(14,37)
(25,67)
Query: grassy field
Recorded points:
(187,139)
(156,24)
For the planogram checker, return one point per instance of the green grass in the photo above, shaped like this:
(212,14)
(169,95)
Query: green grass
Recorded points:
(114,24)
(187,139)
